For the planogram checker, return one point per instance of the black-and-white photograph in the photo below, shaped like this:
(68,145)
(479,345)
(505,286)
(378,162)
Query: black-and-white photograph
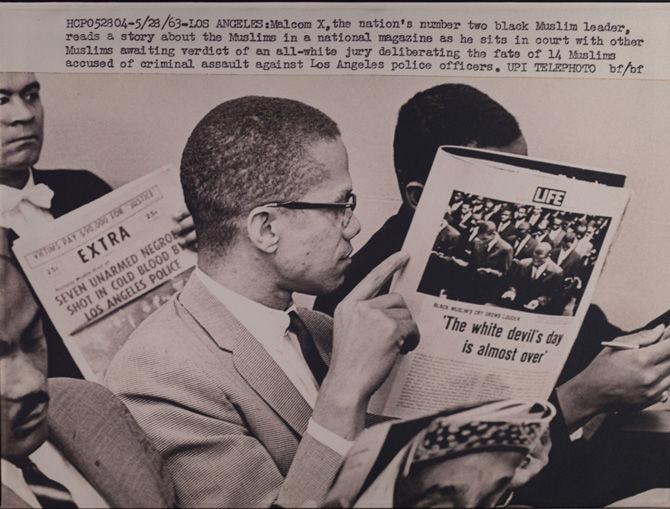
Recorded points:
(513,255)
(247,375)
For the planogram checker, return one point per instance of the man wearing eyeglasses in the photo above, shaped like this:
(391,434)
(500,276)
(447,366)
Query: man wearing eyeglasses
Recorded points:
(251,401)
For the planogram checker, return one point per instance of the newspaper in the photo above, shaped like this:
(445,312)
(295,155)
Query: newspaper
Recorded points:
(100,270)
(602,105)
(408,450)
(494,322)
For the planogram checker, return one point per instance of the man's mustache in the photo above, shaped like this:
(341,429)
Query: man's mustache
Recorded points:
(29,403)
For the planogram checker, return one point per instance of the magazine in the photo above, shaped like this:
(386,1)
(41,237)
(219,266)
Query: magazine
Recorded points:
(505,253)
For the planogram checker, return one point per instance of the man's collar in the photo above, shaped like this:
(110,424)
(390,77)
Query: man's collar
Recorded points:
(254,316)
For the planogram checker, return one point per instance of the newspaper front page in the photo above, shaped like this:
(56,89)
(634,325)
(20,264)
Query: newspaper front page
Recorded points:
(102,269)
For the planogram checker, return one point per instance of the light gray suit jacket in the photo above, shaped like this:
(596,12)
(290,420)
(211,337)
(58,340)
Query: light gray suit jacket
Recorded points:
(227,420)
(97,434)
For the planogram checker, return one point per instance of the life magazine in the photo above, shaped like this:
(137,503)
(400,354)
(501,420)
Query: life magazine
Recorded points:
(497,318)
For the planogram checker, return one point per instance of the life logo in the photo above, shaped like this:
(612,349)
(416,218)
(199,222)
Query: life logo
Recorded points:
(549,196)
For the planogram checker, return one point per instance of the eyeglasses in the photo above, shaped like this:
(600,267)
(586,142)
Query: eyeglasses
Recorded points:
(347,207)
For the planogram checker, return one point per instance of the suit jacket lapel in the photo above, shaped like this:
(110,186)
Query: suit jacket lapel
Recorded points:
(58,202)
(251,360)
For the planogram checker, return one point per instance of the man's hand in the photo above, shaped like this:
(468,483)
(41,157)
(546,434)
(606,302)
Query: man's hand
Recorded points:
(509,294)
(619,379)
(369,333)
(185,230)
(532,305)
(459,262)
(487,270)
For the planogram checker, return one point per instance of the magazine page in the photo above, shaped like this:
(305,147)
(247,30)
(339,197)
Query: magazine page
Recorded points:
(497,319)
(390,459)
(102,269)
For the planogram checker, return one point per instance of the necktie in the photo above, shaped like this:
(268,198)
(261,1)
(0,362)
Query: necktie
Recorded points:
(39,195)
(308,348)
(49,493)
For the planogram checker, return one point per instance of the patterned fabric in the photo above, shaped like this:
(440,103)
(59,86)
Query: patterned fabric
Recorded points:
(443,439)
(49,493)
(226,418)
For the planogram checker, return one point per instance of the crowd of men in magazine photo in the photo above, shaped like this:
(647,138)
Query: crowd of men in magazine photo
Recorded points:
(229,395)
(513,255)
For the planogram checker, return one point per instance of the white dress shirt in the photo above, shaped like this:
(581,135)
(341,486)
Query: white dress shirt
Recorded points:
(57,467)
(270,327)
(25,215)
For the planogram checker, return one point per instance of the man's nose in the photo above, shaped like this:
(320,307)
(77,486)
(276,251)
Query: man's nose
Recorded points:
(18,111)
(20,377)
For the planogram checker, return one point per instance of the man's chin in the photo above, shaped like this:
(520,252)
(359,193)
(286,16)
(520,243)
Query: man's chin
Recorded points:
(19,162)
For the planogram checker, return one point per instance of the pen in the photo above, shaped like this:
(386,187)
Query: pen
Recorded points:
(619,346)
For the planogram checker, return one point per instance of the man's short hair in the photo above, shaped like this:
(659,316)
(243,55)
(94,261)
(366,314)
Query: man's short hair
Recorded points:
(487,228)
(450,114)
(247,152)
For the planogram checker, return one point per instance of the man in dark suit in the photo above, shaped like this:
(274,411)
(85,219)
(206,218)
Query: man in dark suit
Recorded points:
(506,227)
(490,253)
(525,244)
(566,256)
(66,443)
(534,282)
(462,216)
(556,231)
(30,197)
(537,219)
(490,260)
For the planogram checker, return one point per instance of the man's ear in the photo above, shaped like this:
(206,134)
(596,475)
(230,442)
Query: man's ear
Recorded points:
(413,192)
(261,229)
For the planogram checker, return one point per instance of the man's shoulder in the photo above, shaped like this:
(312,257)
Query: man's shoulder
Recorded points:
(80,407)
(525,263)
(79,178)
(504,245)
(553,267)
(72,188)
(99,436)
(160,339)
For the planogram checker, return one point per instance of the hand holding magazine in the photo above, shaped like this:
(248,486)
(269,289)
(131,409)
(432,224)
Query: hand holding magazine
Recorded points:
(499,277)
